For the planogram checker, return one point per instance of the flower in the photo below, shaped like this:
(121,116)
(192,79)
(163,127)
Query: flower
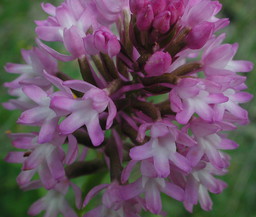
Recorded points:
(84,111)
(159,92)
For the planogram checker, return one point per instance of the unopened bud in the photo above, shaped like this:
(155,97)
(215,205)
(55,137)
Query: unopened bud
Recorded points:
(162,22)
(158,6)
(137,5)
(158,63)
(145,18)
(106,43)
(176,8)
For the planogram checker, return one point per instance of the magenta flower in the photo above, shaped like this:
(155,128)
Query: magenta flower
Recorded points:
(195,96)
(162,148)
(37,61)
(151,185)
(199,183)
(209,142)
(84,111)
(46,159)
(41,115)
(54,203)
(218,59)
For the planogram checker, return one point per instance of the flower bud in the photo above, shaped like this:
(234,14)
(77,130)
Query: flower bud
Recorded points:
(158,6)
(199,35)
(178,5)
(145,18)
(162,22)
(177,8)
(158,63)
(106,42)
(137,5)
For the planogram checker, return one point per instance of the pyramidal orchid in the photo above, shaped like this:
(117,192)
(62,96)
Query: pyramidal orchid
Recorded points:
(106,117)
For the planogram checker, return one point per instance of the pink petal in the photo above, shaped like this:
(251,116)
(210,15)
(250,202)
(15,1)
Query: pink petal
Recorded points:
(64,16)
(15,157)
(162,166)
(46,177)
(73,122)
(240,66)
(73,42)
(153,199)
(54,53)
(227,144)
(57,82)
(55,165)
(214,156)
(47,131)
(184,116)
(33,116)
(89,45)
(204,199)
(64,105)
(78,195)
(72,150)
(78,85)
(242,97)
(17,68)
(49,8)
(94,130)
(180,161)
(127,171)
(25,177)
(35,93)
(49,33)
(132,190)
(111,114)
(93,192)
(141,152)
(174,191)
(37,207)
(194,155)
(191,190)
(34,159)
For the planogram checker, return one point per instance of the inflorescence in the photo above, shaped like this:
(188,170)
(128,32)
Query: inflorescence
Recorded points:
(155,92)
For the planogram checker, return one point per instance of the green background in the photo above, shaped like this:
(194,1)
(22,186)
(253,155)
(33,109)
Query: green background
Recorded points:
(238,200)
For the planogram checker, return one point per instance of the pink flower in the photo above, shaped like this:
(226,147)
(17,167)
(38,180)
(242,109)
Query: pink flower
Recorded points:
(40,115)
(46,159)
(209,142)
(113,202)
(54,203)
(162,148)
(84,111)
(199,183)
(203,10)
(37,61)
(151,185)
(131,54)
(218,59)
(195,96)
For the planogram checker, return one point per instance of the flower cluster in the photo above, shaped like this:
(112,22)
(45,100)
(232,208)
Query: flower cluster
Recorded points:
(156,91)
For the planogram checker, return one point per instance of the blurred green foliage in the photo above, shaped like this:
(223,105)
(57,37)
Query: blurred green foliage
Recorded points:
(238,200)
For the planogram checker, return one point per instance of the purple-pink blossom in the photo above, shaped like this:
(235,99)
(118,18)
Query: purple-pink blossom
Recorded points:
(148,106)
